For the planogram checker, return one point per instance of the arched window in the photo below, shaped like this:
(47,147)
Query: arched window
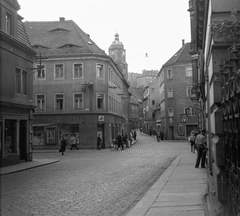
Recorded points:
(190,111)
(170,112)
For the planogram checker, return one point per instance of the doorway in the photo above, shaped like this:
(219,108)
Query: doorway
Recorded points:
(100,130)
(23,139)
(171,132)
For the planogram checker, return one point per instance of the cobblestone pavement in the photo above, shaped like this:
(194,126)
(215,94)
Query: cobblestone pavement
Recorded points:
(88,182)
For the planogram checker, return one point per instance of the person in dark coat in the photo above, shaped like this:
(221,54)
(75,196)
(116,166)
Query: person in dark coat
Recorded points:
(63,144)
(119,139)
(99,140)
(134,135)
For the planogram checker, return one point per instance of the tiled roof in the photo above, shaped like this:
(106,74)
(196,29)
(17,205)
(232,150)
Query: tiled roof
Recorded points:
(60,37)
(181,56)
(21,33)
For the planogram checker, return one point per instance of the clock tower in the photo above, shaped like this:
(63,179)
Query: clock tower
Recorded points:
(118,54)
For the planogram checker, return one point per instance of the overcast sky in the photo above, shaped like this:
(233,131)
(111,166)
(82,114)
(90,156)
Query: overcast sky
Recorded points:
(155,27)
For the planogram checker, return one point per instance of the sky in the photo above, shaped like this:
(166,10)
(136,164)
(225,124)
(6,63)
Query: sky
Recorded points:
(155,27)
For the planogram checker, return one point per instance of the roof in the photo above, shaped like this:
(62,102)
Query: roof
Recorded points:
(59,37)
(181,56)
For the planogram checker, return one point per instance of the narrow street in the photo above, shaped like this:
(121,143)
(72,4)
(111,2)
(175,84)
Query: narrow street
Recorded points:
(88,182)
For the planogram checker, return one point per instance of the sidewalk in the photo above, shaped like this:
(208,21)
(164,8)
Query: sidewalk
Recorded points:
(26,165)
(181,190)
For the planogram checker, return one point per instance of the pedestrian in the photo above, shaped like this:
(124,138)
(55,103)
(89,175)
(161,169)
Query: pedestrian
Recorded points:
(63,145)
(99,140)
(161,134)
(201,144)
(192,141)
(119,140)
(73,142)
(134,134)
(130,138)
(125,141)
(158,136)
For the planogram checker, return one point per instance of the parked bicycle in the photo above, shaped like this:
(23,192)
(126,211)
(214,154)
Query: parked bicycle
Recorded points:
(114,145)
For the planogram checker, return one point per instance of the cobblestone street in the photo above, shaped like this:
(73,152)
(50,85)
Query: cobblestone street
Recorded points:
(88,182)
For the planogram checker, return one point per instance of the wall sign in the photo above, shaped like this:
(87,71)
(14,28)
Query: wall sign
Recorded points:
(100,118)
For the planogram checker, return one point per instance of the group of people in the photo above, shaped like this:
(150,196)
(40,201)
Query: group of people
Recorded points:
(72,140)
(198,142)
(121,139)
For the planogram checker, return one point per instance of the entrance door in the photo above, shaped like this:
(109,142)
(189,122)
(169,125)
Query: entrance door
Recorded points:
(171,132)
(23,139)
(100,130)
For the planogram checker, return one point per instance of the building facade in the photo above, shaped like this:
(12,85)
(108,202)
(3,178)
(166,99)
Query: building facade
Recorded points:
(215,51)
(16,87)
(175,79)
(77,87)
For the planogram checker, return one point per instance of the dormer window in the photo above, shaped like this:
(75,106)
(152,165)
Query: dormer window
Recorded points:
(68,46)
(39,47)
(9,24)
(58,30)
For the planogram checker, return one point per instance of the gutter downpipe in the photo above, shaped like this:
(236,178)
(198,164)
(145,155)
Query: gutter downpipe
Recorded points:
(209,122)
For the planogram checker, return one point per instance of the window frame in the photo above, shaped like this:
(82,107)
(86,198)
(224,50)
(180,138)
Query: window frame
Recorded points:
(78,77)
(187,69)
(169,96)
(170,108)
(55,102)
(103,102)
(81,107)
(42,69)
(188,89)
(44,104)
(55,77)
(171,75)
(9,23)
(97,71)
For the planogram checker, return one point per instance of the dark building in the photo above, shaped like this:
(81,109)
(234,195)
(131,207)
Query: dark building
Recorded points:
(16,87)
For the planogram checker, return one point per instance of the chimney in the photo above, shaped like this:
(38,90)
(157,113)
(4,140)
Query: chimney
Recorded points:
(61,18)
(183,42)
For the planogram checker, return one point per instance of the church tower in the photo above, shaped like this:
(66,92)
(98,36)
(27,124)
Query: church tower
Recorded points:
(117,52)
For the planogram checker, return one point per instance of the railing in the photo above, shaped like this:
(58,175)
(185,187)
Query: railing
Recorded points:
(230,83)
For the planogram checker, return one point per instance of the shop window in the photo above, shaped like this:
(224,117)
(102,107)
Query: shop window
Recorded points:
(10,136)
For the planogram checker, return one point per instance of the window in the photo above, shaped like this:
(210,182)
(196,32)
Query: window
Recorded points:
(190,111)
(40,102)
(21,81)
(58,71)
(153,102)
(10,136)
(24,82)
(78,71)
(59,101)
(189,91)
(100,101)
(41,72)
(170,112)
(188,72)
(78,101)
(18,80)
(100,72)
(9,24)
(153,90)
(169,74)
(170,92)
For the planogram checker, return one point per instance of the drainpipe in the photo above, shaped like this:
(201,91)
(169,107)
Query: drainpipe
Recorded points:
(209,123)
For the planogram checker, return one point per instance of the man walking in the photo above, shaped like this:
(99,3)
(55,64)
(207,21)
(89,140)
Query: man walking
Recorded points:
(119,139)
(73,141)
(201,144)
